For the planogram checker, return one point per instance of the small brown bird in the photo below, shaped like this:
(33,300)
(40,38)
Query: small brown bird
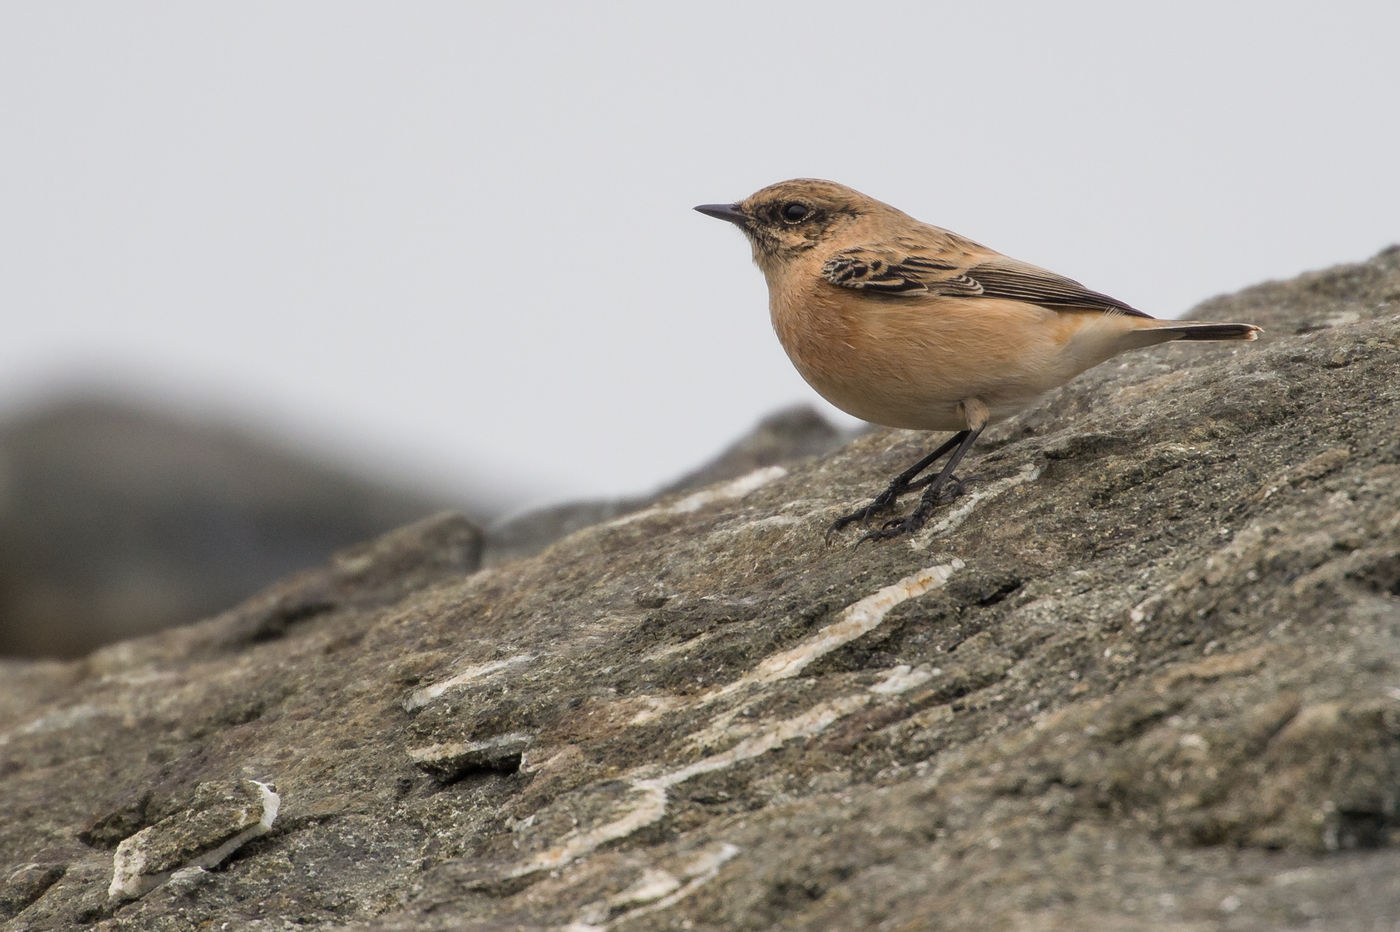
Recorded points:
(910,325)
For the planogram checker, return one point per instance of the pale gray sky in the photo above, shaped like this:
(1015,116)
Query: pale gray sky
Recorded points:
(455,238)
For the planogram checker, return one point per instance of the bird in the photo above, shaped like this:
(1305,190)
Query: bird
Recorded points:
(908,325)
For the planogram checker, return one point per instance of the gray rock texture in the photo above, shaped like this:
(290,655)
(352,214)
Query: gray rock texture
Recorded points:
(1143,674)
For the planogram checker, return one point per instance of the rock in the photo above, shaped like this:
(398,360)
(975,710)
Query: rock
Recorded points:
(95,494)
(25,884)
(1141,674)
(445,546)
(453,761)
(785,436)
(525,534)
(792,433)
(221,818)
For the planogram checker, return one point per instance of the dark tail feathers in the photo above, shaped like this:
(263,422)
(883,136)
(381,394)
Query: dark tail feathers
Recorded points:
(1189,331)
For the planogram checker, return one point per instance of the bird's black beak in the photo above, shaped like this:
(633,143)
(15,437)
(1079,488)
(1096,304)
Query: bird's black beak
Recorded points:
(730,212)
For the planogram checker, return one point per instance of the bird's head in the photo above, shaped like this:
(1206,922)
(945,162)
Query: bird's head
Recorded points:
(787,219)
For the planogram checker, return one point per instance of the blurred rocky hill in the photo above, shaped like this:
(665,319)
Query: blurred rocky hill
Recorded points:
(118,519)
(1143,674)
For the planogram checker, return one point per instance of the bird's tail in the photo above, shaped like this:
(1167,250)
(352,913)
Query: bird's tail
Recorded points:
(1148,331)
(1193,331)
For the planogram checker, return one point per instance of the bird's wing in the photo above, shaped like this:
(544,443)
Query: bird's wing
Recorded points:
(1002,277)
(966,270)
(894,271)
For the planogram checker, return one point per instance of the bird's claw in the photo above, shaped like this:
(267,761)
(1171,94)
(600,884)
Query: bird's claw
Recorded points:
(896,527)
(911,523)
(859,516)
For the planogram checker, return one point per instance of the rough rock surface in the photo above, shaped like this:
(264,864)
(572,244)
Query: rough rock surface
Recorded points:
(1143,674)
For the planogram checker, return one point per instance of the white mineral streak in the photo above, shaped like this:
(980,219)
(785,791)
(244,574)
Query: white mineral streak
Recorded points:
(645,802)
(426,694)
(271,804)
(54,720)
(725,491)
(904,678)
(954,517)
(858,619)
(697,873)
(655,890)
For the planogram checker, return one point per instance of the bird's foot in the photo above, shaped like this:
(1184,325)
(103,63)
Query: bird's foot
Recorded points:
(913,522)
(882,503)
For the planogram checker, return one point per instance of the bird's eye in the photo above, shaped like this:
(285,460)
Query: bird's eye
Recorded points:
(795,212)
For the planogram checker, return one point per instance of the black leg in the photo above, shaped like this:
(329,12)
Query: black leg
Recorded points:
(932,494)
(904,482)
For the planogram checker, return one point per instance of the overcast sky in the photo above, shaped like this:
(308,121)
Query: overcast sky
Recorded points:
(455,239)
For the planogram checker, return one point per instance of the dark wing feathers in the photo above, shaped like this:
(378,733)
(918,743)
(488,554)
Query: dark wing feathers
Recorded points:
(887,271)
(1007,278)
(869,272)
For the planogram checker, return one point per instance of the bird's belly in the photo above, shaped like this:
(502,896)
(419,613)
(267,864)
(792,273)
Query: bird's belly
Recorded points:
(928,404)
(910,364)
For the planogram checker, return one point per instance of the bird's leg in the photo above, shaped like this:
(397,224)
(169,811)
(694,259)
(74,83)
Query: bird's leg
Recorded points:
(977,415)
(904,482)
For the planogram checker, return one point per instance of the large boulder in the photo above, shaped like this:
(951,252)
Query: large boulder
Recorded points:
(1141,675)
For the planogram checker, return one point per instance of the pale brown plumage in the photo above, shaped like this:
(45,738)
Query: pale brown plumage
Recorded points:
(909,325)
